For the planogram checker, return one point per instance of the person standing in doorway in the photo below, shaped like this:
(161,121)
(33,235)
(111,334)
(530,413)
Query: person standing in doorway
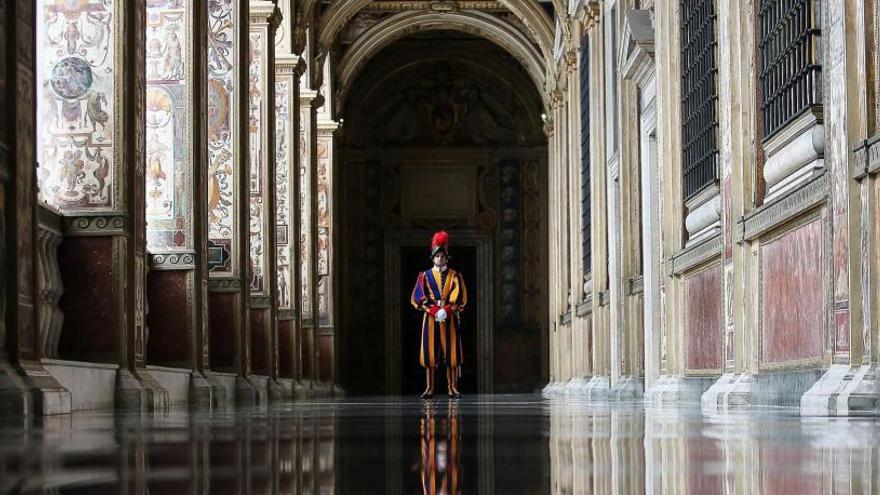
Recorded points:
(441,295)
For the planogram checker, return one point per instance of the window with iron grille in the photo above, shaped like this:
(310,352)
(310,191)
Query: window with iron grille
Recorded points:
(699,95)
(586,217)
(790,61)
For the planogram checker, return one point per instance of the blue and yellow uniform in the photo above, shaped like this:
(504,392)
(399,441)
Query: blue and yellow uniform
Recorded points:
(437,289)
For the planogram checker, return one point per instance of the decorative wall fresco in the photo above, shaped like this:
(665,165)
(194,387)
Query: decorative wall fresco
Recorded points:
(76,113)
(325,145)
(256,52)
(282,193)
(167,157)
(221,140)
(305,251)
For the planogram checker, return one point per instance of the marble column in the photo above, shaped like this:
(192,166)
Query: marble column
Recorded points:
(310,101)
(264,20)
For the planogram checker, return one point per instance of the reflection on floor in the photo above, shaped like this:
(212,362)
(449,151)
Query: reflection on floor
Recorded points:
(498,444)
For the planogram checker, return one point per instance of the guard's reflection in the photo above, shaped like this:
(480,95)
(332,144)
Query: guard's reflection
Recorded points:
(440,467)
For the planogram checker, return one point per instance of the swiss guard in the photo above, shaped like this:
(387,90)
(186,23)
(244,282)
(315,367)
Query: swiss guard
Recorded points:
(441,295)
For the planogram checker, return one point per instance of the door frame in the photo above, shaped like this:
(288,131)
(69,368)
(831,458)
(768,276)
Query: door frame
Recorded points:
(395,295)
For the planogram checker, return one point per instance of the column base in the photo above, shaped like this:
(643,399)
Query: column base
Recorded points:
(139,392)
(49,396)
(276,391)
(552,389)
(204,393)
(843,391)
(629,388)
(669,389)
(249,393)
(730,392)
(16,401)
(783,388)
(302,389)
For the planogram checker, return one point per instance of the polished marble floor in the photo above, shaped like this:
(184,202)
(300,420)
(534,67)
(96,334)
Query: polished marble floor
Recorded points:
(479,444)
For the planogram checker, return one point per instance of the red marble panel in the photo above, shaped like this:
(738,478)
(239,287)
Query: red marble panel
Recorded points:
(88,303)
(221,328)
(325,357)
(167,320)
(306,353)
(259,341)
(703,320)
(285,348)
(792,302)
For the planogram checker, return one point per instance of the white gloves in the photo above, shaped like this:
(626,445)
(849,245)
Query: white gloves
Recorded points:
(440,316)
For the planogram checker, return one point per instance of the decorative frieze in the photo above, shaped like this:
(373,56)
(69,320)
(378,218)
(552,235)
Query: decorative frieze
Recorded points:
(173,261)
(696,255)
(797,201)
(867,157)
(98,225)
(261,301)
(224,285)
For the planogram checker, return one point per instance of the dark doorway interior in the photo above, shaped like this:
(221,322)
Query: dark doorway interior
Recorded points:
(413,260)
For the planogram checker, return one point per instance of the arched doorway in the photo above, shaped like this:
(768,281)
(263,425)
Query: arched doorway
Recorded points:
(442,130)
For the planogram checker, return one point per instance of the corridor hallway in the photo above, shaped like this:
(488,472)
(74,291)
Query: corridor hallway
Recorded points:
(508,444)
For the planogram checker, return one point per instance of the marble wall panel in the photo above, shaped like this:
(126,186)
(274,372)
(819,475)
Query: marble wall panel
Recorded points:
(222,46)
(703,319)
(221,319)
(792,298)
(168,178)
(306,353)
(168,342)
(285,348)
(259,336)
(76,114)
(87,274)
(325,358)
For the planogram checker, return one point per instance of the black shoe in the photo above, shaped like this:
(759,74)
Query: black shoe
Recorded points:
(455,394)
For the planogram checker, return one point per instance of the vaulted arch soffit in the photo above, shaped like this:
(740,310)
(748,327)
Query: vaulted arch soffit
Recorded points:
(537,22)
(398,26)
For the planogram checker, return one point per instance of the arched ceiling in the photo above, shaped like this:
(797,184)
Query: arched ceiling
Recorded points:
(406,23)
(529,12)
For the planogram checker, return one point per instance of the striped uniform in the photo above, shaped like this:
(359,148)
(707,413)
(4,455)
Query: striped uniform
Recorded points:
(433,286)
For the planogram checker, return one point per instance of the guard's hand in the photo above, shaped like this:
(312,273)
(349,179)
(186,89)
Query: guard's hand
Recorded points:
(441,315)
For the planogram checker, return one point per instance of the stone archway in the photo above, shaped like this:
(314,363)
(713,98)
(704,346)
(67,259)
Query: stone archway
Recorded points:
(443,108)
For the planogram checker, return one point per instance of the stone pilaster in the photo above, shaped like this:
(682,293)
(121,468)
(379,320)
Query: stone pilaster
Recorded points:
(264,20)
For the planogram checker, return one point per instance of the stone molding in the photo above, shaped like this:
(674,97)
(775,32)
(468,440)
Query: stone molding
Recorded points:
(637,47)
(184,260)
(287,314)
(867,157)
(696,255)
(225,285)
(636,285)
(585,308)
(95,225)
(261,302)
(810,194)
(565,318)
(604,297)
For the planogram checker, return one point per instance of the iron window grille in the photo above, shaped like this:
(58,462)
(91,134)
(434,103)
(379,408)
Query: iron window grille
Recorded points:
(586,215)
(699,95)
(790,61)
